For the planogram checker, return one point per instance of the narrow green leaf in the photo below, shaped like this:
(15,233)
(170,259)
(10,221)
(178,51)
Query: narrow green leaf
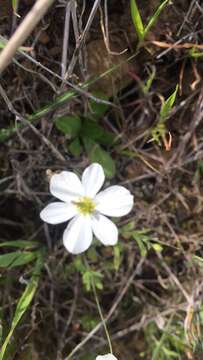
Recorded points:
(170,353)
(155,17)
(16,258)
(142,247)
(75,147)
(97,154)
(142,239)
(137,20)
(167,106)
(19,244)
(148,84)
(23,303)
(68,124)
(117,257)
(159,346)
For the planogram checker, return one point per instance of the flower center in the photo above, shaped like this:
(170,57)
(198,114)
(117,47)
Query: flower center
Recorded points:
(85,205)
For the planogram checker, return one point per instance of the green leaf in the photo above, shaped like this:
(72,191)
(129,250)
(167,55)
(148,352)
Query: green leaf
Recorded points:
(117,257)
(88,322)
(16,258)
(90,277)
(92,254)
(155,17)
(195,53)
(68,124)
(143,240)
(97,154)
(68,95)
(170,353)
(142,247)
(137,20)
(167,106)
(23,303)
(96,132)
(146,87)
(20,244)
(75,147)
(127,229)
(78,264)
(98,109)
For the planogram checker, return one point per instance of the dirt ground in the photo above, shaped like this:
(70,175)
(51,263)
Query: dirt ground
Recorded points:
(157,295)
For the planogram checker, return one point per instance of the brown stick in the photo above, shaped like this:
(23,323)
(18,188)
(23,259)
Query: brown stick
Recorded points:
(165,45)
(23,31)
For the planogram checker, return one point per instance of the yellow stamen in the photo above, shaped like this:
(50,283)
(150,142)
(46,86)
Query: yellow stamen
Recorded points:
(85,205)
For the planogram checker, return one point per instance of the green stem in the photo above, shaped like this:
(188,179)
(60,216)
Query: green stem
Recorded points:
(101,314)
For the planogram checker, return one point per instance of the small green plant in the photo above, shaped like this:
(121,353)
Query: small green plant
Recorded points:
(88,275)
(25,299)
(168,343)
(142,30)
(159,132)
(88,133)
(142,237)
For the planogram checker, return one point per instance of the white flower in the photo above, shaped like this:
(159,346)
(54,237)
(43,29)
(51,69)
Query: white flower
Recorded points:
(106,357)
(87,208)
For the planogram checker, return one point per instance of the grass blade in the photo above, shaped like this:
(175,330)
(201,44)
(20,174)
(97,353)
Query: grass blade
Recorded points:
(24,244)
(137,20)
(146,87)
(23,303)
(168,105)
(155,17)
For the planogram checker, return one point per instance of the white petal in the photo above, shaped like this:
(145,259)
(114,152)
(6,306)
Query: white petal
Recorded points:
(114,201)
(66,186)
(93,179)
(78,235)
(106,357)
(58,212)
(104,229)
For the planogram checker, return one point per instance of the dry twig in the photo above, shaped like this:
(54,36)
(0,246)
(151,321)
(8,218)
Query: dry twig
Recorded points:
(23,31)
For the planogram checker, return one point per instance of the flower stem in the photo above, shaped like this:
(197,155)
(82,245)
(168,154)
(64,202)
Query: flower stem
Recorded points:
(101,314)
